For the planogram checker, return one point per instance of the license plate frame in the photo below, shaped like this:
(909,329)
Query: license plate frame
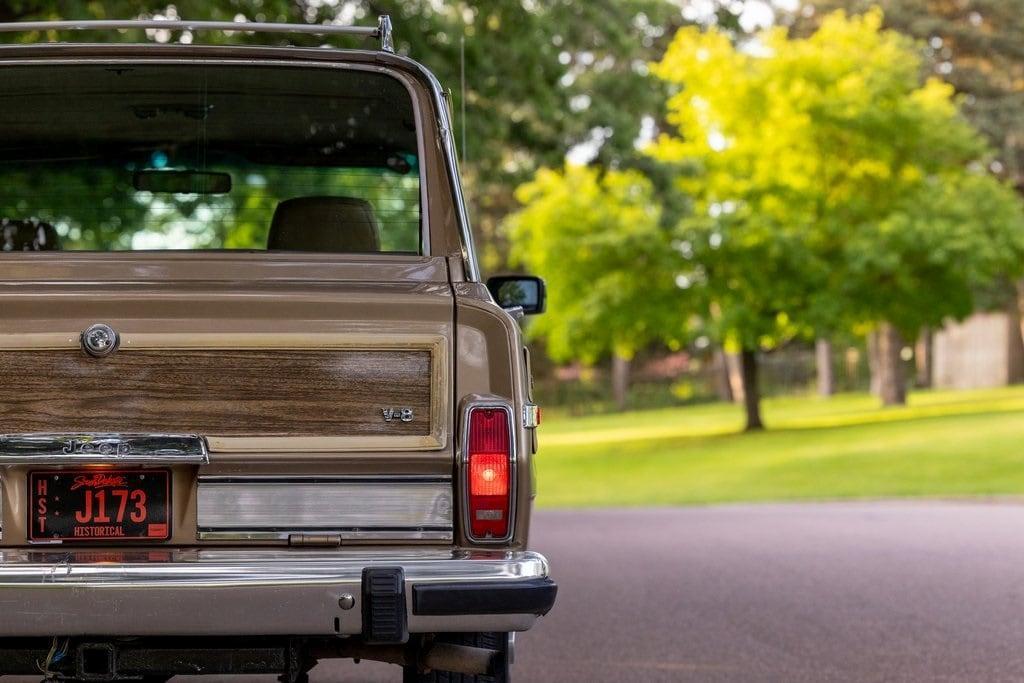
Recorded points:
(118,505)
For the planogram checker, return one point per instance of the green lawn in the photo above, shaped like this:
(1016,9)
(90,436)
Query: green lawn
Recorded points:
(943,444)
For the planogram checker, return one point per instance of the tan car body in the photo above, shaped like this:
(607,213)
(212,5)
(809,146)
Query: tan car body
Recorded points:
(211,306)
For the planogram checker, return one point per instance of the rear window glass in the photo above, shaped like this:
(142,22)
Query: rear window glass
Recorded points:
(151,157)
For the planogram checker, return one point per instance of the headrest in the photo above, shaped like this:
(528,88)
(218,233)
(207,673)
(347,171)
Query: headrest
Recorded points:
(27,235)
(324,224)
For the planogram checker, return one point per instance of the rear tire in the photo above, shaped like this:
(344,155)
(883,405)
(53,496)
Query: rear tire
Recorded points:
(491,641)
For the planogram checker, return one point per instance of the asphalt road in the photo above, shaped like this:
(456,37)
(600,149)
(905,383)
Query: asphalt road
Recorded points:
(816,592)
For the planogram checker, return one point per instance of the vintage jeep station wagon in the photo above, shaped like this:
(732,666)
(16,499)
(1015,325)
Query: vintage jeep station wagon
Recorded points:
(258,408)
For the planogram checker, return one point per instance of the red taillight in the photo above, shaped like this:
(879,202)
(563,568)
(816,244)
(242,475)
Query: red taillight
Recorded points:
(489,473)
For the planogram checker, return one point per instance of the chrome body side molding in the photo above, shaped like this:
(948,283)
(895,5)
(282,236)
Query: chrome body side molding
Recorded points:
(415,508)
(103,448)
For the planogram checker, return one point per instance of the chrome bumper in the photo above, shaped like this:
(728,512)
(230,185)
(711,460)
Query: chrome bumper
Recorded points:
(250,592)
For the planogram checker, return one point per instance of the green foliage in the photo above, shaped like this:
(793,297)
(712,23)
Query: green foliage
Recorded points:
(935,255)
(833,188)
(975,45)
(596,237)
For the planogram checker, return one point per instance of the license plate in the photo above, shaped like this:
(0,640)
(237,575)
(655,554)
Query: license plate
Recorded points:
(99,505)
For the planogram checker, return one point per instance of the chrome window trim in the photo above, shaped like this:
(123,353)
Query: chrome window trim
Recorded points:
(476,403)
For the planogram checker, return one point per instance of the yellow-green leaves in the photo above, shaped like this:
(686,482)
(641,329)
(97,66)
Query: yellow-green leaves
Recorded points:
(596,238)
(828,174)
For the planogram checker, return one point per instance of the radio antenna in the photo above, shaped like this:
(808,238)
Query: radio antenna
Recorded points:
(462,93)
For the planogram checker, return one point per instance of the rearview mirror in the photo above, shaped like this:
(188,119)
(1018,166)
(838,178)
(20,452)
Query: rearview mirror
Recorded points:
(522,291)
(182,182)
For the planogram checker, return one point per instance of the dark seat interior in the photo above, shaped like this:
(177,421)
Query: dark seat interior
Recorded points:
(27,235)
(324,224)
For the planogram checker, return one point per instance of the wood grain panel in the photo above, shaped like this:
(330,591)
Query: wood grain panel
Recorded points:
(244,392)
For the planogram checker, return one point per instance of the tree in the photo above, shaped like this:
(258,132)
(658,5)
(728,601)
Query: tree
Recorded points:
(826,373)
(541,79)
(975,45)
(596,237)
(825,175)
(934,256)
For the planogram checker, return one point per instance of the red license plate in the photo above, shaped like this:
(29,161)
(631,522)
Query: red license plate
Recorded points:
(99,505)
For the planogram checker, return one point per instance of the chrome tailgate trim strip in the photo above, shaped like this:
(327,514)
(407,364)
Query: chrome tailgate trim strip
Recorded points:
(356,508)
(102,448)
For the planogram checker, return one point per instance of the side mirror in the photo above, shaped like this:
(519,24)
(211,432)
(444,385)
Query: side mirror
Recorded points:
(522,291)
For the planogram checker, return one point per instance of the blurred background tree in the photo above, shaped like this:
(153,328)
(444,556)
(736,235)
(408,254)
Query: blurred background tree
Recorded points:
(597,236)
(976,46)
(819,164)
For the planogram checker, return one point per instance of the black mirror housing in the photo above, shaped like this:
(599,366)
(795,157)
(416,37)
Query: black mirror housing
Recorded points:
(523,291)
(181,182)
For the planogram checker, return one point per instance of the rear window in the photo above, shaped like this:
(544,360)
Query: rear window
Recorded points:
(152,157)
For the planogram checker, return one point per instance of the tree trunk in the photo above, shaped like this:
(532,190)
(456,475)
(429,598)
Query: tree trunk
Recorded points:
(892,387)
(823,361)
(923,359)
(620,381)
(734,370)
(851,361)
(751,390)
(874,373)
(1015,371)
(720,376)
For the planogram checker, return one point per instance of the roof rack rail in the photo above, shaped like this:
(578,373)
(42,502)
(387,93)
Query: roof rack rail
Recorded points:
(382,31)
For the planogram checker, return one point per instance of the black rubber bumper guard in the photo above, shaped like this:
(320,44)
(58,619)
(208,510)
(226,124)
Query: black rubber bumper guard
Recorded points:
(384,601)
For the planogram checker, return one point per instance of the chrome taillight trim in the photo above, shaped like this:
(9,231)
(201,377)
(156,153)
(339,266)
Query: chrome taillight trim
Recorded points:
(487,403)
(355,508)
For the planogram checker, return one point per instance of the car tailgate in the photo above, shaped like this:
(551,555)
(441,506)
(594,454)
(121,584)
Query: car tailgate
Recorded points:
(321,388)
